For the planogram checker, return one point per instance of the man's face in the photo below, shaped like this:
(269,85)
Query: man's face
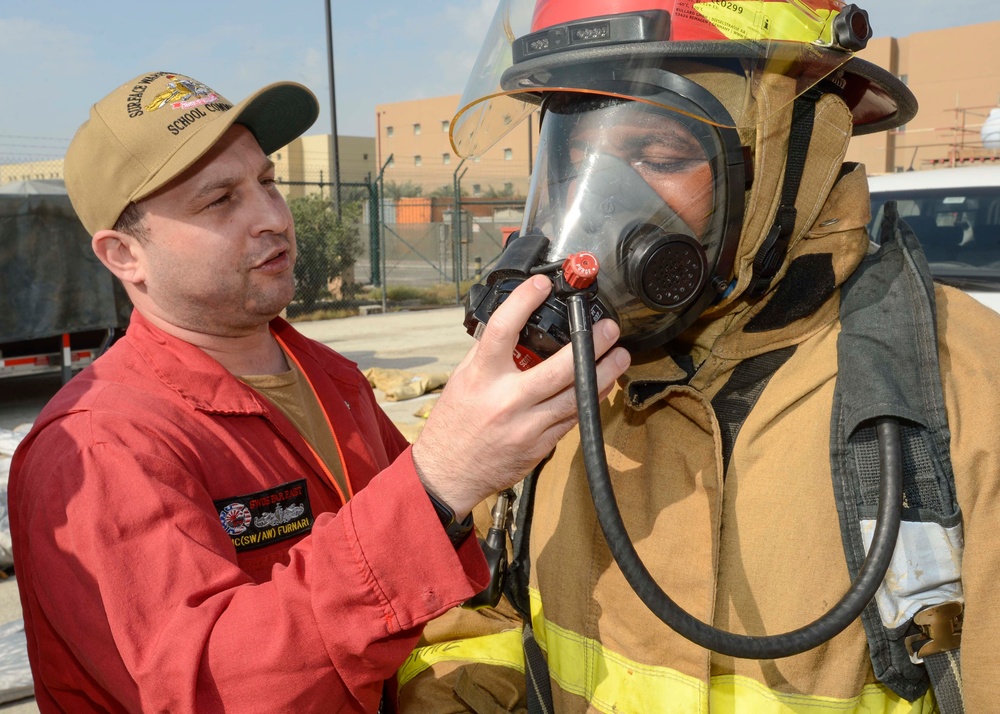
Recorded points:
(667,156)
(221,244)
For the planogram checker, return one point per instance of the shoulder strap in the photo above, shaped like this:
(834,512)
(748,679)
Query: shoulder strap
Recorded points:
(516,583)
(771,253)
(887,359)
(538,688)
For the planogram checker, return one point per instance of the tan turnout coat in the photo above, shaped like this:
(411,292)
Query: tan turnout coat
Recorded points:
(755,550)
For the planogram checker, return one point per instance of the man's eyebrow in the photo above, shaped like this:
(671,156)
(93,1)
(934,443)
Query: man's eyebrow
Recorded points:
(209,188)
(661,135)
(228,181)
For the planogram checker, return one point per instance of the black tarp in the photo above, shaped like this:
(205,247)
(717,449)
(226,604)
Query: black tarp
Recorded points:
(50,280)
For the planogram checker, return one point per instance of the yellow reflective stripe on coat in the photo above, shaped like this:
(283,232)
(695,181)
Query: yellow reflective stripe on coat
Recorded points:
(731,693)
(610,682)
(503,649)
(617,685)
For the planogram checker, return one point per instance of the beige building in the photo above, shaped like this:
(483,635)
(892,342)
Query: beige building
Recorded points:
(414,146)
(955,76)
(306,165)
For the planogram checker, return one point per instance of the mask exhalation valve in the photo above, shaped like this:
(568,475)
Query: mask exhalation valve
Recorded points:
(665,270)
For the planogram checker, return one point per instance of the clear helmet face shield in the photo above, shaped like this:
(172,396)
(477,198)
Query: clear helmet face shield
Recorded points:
(532,47)
(654,194)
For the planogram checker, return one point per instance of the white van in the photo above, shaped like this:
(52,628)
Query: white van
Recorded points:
(956,215)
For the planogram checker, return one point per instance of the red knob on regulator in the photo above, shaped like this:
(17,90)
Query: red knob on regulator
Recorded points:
(580,270)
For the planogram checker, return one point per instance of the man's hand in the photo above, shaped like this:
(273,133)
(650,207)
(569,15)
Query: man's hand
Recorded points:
(493,422)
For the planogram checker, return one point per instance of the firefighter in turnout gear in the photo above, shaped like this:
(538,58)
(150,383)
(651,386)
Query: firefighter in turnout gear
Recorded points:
(696,151)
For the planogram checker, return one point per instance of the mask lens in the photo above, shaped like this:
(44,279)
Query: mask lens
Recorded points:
(642,188)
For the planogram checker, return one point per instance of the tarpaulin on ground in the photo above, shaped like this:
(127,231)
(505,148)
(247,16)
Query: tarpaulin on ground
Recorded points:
(9,439)
(50,280)
(15,672)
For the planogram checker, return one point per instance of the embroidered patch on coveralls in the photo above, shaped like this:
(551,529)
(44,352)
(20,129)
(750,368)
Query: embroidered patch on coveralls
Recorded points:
(266,517)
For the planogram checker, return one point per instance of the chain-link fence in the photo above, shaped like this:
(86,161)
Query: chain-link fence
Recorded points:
(390,251)
(15,167)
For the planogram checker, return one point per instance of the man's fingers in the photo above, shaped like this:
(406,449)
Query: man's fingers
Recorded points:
(611,367)
(562,404)
(500,336)
(554,376)
(556,373)
(469,357)
(606,333)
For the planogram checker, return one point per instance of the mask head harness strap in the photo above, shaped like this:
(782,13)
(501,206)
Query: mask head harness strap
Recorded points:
(772,251)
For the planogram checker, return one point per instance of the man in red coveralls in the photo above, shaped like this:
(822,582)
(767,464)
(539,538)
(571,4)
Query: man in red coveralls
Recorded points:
(217,515)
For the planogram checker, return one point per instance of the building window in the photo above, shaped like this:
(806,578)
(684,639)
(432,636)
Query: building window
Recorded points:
(278,156)
(388,131)
(417,160)
(476,189)
(508,154)
(445,158)
(508,188)
(416,129)
(365,157)
(444,126)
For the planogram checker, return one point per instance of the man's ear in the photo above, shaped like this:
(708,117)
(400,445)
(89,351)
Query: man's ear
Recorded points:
(121,253)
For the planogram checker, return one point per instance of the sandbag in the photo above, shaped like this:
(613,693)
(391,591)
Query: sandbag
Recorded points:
(398,384)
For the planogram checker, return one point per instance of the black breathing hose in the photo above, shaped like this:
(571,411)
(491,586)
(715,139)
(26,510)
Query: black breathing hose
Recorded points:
(825,627)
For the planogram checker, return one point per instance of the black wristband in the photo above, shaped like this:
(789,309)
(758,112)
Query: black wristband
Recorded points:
(457,531)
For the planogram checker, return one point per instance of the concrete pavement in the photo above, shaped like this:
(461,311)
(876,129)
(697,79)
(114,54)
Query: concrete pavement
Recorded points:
(419,341)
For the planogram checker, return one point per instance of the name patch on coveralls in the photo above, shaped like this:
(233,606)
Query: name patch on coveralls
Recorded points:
(266,517)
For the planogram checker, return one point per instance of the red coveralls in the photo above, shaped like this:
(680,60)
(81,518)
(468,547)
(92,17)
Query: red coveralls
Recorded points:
(177,549)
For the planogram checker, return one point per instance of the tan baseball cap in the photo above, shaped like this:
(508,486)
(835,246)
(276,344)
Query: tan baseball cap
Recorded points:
(152,128)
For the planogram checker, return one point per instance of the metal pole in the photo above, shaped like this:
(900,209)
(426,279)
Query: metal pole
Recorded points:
(456,230)
(333,113)
(374,233)
(381,225)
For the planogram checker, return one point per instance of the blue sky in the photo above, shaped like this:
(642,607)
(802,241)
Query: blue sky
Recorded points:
(62,55)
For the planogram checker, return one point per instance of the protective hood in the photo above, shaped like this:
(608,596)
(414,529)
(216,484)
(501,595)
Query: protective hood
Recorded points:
(828,144)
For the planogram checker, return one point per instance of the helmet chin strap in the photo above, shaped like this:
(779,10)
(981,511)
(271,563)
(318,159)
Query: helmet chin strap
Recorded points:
(771,253)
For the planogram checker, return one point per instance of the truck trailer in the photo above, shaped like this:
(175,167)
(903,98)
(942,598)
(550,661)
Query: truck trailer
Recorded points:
(60,308)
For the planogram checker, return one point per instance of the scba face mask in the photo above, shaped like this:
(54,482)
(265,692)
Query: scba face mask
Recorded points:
(653,195)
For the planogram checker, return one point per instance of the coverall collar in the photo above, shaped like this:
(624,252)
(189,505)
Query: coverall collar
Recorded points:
(196,377)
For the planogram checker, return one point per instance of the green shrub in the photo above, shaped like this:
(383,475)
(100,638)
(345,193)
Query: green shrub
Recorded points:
(327,248)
